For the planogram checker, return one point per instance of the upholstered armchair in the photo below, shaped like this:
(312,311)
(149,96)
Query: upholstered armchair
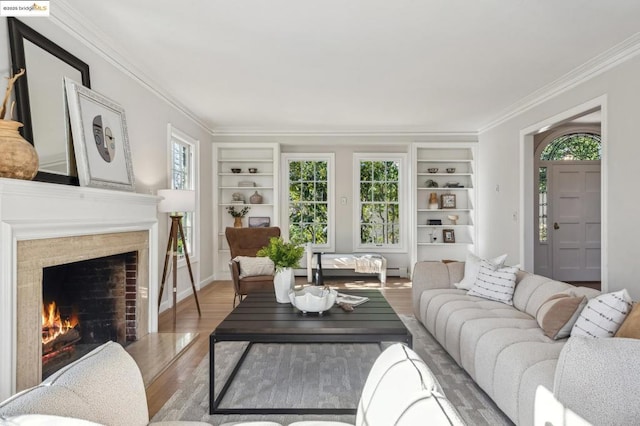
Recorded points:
(247,242)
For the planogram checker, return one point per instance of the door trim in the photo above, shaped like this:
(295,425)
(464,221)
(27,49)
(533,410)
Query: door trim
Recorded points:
(527,187)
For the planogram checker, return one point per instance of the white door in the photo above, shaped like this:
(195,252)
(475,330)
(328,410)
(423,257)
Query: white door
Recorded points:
(575,225)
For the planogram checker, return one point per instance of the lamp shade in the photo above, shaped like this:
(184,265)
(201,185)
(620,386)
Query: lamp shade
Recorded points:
(176,200)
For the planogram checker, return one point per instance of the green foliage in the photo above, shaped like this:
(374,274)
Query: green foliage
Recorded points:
(242,213)
(308,202)
(574,146)
(283,255)
(379,197)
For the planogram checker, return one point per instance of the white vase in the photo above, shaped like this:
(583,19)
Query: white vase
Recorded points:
(283,282)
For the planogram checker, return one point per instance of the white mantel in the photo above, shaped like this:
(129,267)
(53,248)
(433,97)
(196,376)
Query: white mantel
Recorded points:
(37,210)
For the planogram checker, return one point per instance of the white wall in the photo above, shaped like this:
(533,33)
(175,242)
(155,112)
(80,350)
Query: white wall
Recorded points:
(499,165)
(147,117)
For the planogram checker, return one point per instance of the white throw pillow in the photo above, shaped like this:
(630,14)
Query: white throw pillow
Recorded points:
(472,267)
(603,315)
(495,283)
(252,266)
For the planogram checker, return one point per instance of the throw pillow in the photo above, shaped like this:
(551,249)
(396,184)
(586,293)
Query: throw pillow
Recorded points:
(558,313)
(472,267)
(603,315)
(631,325)
(252,266)
(495,283)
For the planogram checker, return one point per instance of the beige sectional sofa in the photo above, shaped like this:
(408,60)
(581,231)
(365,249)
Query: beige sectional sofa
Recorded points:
(508,355)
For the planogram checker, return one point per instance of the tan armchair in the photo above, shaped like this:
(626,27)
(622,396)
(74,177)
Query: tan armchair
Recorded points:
(247,242)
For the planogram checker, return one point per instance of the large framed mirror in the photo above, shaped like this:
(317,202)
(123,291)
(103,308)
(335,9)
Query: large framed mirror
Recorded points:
(40,99)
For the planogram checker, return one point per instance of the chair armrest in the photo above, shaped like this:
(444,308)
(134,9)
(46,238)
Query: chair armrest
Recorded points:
(234,268)
(598,379)
(429,275)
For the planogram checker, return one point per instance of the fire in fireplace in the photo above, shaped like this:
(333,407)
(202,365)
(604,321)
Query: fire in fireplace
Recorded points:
(85,304)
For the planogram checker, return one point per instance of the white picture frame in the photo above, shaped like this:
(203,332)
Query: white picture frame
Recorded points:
(100,139)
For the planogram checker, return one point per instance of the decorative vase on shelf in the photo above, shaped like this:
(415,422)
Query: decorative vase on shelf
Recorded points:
(237,222)
(283,282)
(255,198)
(19,159)
(433,201)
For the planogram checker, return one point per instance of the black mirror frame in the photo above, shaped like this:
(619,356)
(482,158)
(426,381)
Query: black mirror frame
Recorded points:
(18,32)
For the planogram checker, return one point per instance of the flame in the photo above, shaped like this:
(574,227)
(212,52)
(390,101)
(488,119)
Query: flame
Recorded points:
(52,325)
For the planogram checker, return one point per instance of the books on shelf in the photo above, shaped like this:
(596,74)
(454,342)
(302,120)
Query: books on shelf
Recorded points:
(351,299)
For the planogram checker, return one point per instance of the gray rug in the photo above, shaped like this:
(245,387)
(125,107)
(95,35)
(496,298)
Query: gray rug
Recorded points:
(333,376)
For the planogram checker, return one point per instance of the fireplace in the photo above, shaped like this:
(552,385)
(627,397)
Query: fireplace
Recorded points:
(85,304)
(44,225)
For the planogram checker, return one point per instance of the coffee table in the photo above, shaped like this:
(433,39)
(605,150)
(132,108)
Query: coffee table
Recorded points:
(260,319)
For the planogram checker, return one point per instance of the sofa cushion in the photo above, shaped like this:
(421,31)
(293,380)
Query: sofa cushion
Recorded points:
(557,315)
(495,283)
(472,268)
(44,420)
(603,315)
(631,325)
(80,389)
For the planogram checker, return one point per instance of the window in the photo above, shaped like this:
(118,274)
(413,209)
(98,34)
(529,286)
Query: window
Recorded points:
(309,183)
(182,172)
(570,147)
(379,191)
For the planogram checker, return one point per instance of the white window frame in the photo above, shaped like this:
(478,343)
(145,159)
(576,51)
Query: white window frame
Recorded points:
(330,158)
(401,158)
(176,135)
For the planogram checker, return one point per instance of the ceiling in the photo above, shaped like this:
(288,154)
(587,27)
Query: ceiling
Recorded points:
(356,65)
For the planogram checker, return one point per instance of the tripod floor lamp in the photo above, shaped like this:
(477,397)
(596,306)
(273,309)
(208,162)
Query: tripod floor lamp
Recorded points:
(176,200)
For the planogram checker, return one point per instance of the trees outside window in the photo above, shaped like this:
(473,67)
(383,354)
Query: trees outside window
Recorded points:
(309,180)
(379,194)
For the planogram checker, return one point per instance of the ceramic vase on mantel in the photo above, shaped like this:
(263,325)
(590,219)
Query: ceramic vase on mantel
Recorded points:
(237,222)
(18,159)
(283,282)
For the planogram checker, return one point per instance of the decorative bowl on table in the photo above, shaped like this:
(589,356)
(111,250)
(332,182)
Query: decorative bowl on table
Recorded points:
(313,299)
(236,170)
(432,170)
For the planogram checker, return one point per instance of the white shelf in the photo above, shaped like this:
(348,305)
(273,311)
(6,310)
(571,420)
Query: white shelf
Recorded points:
(245,160)
(244,174)
(246,204)
(255,188)
(444,155)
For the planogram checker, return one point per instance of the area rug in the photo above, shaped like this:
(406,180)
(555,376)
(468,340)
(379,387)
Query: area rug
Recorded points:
(316,375)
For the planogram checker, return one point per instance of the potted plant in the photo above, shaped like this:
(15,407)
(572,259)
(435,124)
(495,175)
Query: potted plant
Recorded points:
(285,257)
(237,215)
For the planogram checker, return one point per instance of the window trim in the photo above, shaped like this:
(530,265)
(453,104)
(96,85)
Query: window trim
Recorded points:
(173,133)
(330,158)
(403,198)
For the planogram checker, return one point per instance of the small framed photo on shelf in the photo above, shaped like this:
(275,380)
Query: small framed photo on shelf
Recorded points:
(448,201)
(259,222)
(448,236)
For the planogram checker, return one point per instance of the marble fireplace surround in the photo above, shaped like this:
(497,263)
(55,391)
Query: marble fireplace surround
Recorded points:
(44,224)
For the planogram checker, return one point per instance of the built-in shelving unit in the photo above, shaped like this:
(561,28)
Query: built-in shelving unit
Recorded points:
(264,158)
(455,179)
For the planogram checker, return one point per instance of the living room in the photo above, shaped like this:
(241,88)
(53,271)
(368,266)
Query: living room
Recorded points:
(530,71)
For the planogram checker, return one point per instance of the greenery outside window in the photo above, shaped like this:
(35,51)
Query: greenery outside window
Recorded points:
(309,185)
(379,192)
(182,172)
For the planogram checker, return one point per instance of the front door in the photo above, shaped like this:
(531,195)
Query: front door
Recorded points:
(575,225)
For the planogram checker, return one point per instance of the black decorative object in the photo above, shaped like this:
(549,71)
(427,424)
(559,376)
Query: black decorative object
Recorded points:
(319,279)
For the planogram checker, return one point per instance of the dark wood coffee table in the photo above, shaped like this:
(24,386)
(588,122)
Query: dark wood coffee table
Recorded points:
(260,319)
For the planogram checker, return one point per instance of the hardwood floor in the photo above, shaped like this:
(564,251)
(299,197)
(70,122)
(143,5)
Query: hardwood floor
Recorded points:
(216,303)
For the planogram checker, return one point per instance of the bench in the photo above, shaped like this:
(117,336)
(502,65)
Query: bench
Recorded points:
(373,263)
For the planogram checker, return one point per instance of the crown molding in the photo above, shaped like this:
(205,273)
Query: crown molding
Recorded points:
(67,18)
(362,132)
(607,60)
